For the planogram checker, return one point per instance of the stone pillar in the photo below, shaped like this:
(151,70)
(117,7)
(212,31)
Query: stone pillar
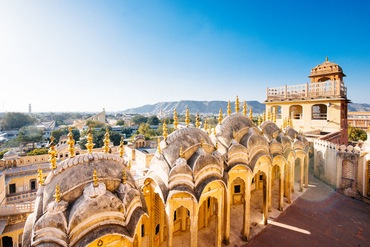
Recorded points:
(227,203)
(269,188)
(302,176)
(247,208)
(281,190)
(292,176)
(306,171)
(183,218)
(170,226)
(205,213)
(219,220)
(194,229)
(265,201)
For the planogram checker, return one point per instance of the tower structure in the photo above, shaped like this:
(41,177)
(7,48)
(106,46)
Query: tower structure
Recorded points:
(317,108)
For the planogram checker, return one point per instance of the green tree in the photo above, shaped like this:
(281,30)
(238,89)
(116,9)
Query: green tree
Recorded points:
(138,119)
(38,151)
(2,153)
(95,124)
(120,123)
(98,138)
(64,131)
(356,134)
(126,130)
(30,134)
(153,120)
(144,129)
(15,120)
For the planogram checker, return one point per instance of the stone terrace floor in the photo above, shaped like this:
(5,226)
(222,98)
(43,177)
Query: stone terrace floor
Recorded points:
(320,217)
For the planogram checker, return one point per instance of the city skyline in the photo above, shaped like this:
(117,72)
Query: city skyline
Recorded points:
(90,55)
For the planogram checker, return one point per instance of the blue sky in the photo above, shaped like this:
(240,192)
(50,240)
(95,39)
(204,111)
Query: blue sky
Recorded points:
(90,55)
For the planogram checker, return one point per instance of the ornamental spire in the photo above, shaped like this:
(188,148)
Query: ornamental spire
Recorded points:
(264,117)
(251,113)
(197,122)
(187,117)
(181,154)
(206,125)
(175,119)
(57,193)
(245,108)
(95,179)
(228,108)
(165,134)
(71,143)
(52,154)
(121,148)
(89,145)
(106,141)
(237,108)
(40,177)
(220,117)
(124,176)
(159,146)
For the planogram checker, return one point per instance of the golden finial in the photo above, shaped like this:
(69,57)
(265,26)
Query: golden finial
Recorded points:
(95,179)
(165,134)
(40,177)
(181,153)
(220,117)
(259,120)
(121,148)
(71,143)
(57,193)
(228,108)
(251,113)
(264,117)
(159,146)
(106,141)
(269,115)
(187,117)
(237,108)
(124,176)
(129,164)
(245,108)
(201,142)
(89,145)
(206,125)
(197,123)
(52,154)
(214,131)
(327,59)
(175,119)
(234,134)
(216,146)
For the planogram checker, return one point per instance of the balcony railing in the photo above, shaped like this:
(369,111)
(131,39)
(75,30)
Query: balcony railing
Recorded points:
(308,90)
(17,208)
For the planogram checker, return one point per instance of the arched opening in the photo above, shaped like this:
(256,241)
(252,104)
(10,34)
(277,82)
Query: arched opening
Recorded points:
(7,241)
(259,207)
(237,204)
(277,111)
(298,174)
(319,112)
(207,221)
(348,174)
(296,111)
(181,226)
(276,188)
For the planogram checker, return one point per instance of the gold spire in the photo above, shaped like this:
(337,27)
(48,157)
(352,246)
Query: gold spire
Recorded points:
(237,108)
(245,108)
(159,146)
(220,117)
(197,123)
(214,131)
(95,179)
(40,177)
(264,117)
(124,176)
(327,59)
(187,117)
(71,143)
(259,120)
(175,119)
(106,141)
(165,134)
(201,142)
(89,145)
(121,148)
(206,125)
(52,154)
(181,153)
(269,115)
(251,113)
(228,108)
(129,164)
(57,193)
(216,145)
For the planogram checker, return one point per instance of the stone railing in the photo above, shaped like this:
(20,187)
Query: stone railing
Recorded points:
(18,208)
(21,196)
(308,90)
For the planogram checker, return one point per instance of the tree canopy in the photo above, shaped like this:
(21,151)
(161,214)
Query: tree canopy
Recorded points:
(38,151)
(153,120)
(95,124)
(98,138)
(120,122)
(15,120)
(138,119)
(30,134)
(64,131)
(356,134)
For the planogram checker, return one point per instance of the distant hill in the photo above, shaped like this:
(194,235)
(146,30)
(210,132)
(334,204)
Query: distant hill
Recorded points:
(212,107)
(204,107)
(358,107)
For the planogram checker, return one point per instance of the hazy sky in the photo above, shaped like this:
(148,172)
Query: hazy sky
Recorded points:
(90,55)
